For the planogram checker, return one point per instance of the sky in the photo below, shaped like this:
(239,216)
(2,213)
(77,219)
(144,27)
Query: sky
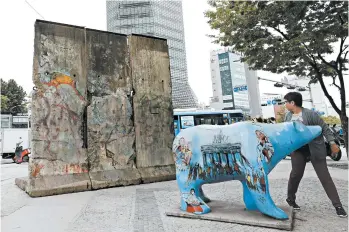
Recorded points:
(17,41)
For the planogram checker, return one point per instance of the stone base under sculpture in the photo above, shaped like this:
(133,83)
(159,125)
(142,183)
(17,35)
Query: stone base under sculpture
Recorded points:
(223,211)
(70,183)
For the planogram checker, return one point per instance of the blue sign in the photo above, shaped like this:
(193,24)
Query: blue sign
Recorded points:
(240,88)
(268,102)
(187,121)
(273,102)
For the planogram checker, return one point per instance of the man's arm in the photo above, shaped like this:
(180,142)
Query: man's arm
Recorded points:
(325,129)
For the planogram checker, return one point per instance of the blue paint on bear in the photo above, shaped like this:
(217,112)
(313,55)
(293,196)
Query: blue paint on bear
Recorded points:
(244,151)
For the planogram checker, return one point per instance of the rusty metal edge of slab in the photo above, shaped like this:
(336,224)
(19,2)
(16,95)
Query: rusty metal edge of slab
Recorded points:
(280,224)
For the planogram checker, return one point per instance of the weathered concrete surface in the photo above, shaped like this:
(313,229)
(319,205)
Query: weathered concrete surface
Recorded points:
(157,173)
(108,62)
(22,182)
(152,101)
(58,107)
(54,184)
(110,130)
(111,141)
(223,211)
(83,116)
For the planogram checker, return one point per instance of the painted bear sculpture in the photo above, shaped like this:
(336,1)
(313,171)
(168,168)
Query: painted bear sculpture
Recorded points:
(244,151)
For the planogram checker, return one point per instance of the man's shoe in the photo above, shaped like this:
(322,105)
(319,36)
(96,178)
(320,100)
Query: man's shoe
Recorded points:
(293,204)
(341,212)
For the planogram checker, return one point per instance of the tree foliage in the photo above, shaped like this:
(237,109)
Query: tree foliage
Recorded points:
(280,113)
(284,36)
(14,97)
(4,102)
(288,36)
(331,120)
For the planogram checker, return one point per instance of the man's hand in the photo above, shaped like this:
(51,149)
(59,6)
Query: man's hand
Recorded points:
(335,149)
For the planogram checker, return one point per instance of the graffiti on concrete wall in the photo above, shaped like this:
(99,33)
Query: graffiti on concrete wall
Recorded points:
(58,104)
(86,113)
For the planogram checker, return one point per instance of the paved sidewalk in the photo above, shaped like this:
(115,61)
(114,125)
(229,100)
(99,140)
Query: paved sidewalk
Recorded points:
(142,207)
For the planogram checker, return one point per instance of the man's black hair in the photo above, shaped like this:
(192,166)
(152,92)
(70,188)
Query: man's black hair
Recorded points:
(296,97)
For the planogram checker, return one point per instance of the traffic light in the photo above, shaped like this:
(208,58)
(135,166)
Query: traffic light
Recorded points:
(279,85)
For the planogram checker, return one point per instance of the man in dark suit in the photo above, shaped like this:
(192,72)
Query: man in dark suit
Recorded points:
(315,152)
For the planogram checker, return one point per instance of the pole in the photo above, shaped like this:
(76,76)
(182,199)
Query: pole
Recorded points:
(260,78)
(34,9)
(308,86)
(311,97)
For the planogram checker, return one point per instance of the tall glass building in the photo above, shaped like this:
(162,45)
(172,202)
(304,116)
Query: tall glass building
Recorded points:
(162,19)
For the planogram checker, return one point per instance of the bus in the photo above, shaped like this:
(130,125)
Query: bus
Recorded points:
(184,119)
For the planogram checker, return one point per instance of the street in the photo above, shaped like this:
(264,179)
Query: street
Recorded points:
(142,207)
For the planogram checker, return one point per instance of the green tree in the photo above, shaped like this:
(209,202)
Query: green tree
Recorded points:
(331,120)
(15,95)
(4,102)
(288,36)
(280,113)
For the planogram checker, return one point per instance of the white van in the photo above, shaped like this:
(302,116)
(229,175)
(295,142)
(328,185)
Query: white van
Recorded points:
(13,130)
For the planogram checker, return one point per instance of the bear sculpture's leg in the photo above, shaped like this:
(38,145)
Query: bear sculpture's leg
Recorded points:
(249,202)
(258,197)
(192,202)
(203,196)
